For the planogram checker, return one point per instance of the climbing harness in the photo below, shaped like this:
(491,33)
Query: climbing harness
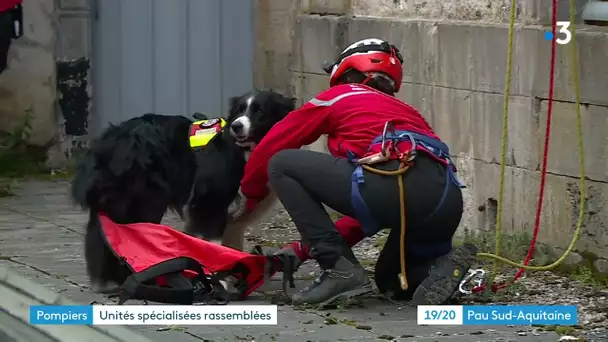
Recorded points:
(583,188)
(389,140)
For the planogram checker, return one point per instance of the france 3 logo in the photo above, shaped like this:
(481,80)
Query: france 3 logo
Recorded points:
(563,36)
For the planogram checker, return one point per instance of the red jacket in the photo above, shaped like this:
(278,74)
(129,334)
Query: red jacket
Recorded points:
(8,4)
(352,115)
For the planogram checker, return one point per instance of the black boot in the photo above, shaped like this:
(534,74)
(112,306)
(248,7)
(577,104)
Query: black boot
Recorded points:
(445,276)
(387,278)
(343,281)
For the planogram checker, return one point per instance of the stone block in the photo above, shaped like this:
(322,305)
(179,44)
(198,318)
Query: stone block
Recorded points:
(370,27)
(560,206)
(466,174)
(275,5)
(482,180)
(28,84)
(418,96)
(526,55)
(276,31)
(594,235)
(544,10)
(415,40)
(486,129)
(489,56)
(317,39)
(273,25)
(601,265)
(457,10)
(338,7)
(451,113)
(593,71)
(74,4)
(563,148)
(453,43)
(272,72)
(573,259)
(73,39)
(379,8)
(306,86)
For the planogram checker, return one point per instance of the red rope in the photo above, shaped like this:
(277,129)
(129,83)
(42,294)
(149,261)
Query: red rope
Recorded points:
(543,176)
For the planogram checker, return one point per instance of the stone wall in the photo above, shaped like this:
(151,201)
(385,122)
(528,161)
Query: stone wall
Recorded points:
(48,76)
(27,86)
(495,11)
(455,75)
(73,59)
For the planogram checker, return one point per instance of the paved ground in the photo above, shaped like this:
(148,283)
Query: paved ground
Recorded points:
(41,237)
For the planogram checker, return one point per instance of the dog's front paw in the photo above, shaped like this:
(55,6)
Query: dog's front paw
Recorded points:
(237,208)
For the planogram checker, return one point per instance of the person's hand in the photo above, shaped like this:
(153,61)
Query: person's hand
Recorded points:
(238,206)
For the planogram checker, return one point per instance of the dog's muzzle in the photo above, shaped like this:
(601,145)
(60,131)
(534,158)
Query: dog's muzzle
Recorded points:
(240,128)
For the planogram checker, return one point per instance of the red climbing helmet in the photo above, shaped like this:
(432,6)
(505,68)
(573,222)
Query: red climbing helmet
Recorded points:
(368,56)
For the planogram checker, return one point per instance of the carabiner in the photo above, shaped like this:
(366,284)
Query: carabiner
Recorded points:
(414,149)
(387,127)
(475,278)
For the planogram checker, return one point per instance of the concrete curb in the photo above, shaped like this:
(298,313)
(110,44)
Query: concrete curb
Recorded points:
(18,293)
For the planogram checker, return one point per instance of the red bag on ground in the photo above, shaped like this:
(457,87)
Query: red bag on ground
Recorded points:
(173,267)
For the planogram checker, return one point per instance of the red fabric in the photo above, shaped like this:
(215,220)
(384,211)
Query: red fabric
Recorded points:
(352,116)
(348,227)
(143,245)
(8,4)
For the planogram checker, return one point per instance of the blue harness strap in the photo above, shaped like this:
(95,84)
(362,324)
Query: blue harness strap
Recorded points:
(368,224)
(439,149)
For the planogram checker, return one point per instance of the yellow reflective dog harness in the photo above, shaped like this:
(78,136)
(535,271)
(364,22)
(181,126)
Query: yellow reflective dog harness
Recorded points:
(202,132)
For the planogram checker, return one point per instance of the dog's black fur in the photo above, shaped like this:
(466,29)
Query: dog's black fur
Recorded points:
(138,169)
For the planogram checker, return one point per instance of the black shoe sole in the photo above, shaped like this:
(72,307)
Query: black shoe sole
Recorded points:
(345,296)
(342,297)
(443,281)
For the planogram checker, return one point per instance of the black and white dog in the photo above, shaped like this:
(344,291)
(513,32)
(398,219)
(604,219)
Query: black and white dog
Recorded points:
(138,169)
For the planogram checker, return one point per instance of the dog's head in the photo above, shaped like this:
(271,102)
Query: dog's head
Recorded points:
(253,115)
(220,168)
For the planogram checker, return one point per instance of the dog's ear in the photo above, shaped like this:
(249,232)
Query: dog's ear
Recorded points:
(286,105)
(232,101)
(293,101)
(232,107)
(199,116)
